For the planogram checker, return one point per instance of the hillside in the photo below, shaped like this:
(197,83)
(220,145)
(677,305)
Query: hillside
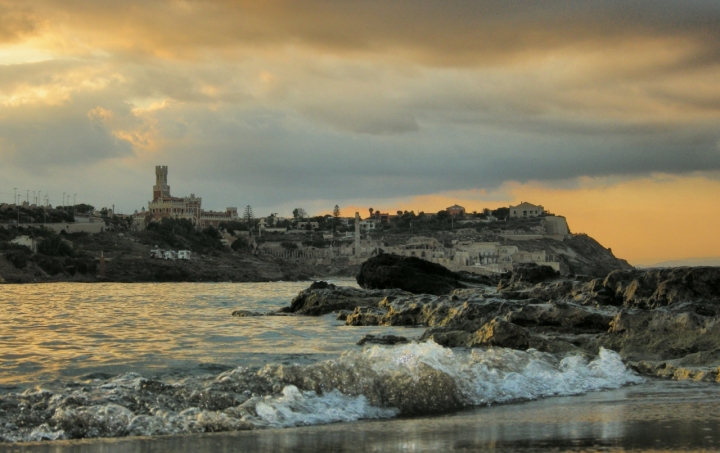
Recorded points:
(578,254)
(76,256)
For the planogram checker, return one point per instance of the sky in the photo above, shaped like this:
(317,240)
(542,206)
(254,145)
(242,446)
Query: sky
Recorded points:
(604,111)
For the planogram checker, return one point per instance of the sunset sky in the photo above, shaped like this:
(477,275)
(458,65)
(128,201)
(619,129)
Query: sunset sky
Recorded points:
(607,112)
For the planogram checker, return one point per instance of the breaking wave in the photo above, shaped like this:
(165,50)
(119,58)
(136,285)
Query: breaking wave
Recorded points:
(379,382)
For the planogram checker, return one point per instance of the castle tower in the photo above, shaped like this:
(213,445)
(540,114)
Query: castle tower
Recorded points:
(161,189)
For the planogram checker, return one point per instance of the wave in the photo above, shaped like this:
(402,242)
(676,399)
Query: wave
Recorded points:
(379,382)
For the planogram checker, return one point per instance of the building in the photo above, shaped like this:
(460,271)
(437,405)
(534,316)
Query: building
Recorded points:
(525,210)
(368,224)
(164,205)
(456,210)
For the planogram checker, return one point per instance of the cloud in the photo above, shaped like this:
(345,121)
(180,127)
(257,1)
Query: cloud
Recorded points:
(344,100)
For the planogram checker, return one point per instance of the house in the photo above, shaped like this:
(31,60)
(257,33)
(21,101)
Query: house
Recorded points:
(304,225)
(455,210)
(525,210)
(368,224)
(383,217)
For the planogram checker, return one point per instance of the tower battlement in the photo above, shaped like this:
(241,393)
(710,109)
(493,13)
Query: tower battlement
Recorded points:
(161,188)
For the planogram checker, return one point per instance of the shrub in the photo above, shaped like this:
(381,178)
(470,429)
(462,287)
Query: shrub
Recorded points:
(287,245)
(18,257)
(239,244)
(55,246)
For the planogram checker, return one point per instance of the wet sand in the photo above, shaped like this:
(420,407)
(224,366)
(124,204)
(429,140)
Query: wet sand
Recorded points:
(656,416)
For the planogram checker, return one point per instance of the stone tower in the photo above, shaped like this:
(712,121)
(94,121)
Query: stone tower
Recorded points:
(161,189)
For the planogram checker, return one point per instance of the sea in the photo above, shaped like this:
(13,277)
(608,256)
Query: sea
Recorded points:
(154,367)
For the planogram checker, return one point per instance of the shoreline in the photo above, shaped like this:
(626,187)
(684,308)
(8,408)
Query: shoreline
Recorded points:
(656,415)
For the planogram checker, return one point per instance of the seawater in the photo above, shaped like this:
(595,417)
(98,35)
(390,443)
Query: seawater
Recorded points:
(113,360)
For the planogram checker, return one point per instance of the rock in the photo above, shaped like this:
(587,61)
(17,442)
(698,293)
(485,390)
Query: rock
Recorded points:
(664,322)
(501,333)
(251,314)
(661,287)
(247,313)
(382,339)
(322,298)
(410,274)
(527,274)
(365,316)
(663,334)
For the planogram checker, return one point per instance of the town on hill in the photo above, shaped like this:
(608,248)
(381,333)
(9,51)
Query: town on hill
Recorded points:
(175,239)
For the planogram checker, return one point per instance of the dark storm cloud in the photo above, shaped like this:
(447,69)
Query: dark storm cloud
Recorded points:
(279,100)
(447,32)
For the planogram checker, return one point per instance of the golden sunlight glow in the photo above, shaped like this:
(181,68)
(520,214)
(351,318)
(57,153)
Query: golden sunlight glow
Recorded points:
(645,221)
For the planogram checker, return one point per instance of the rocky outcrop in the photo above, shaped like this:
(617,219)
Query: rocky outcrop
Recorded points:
(322,298)
(664,322)
(662,287)
(408,273)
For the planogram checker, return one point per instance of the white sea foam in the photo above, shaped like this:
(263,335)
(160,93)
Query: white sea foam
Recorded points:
(499,375)
(378,382)
(295,408)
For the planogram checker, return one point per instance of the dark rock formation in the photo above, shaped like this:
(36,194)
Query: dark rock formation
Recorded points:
(322,298)
(410,274)
(661,287)
(382,339)
(664,322)
(531,273)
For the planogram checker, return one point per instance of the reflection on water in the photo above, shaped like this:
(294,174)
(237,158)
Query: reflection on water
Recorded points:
(67,330)
(656,416)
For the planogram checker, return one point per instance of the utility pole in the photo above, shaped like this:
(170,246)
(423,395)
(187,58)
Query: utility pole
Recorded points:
(63,199)
(15,199)
(28,197)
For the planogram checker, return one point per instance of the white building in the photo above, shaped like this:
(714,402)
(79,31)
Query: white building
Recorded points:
(525,210)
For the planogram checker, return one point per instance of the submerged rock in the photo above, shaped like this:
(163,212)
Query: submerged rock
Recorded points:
(410,274)
(382,339)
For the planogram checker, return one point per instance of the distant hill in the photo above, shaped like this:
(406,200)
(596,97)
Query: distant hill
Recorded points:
(689,262)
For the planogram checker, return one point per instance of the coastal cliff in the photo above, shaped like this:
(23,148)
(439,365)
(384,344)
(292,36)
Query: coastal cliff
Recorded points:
(127,257)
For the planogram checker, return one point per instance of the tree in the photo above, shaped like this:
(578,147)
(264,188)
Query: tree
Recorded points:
(239,244)
(501,213)
(248,214)
(83,208)
(371,211)
(299,213)
(336,215)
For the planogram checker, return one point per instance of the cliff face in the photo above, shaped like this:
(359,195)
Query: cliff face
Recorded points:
(578,254)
